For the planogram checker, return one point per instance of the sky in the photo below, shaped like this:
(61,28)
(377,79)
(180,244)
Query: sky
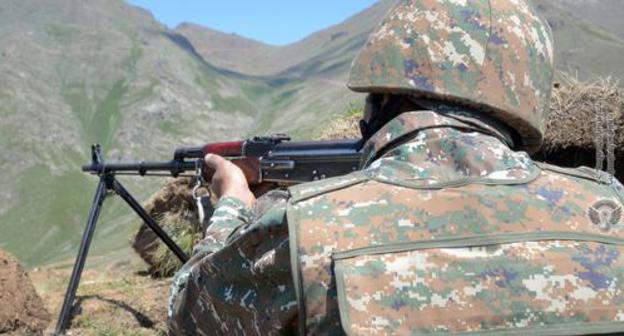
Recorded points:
(276,22)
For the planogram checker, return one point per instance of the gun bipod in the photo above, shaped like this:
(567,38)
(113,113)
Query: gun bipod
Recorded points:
(108,184)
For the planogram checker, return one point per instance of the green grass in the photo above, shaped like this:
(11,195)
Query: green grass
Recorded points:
(281,98)
(101,117)
(354,108)
(108,116)
(82,107)
(143,94)
(247,100)
(61,33)
(51,215)
(170,127)
(185,230)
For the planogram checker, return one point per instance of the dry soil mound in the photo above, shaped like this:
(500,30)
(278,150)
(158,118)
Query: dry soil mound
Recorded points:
(21,309)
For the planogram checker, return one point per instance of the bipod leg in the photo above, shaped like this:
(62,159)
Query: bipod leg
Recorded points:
(151,223)
(83,251)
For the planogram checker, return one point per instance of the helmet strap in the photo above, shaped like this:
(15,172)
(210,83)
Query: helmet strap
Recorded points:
(381,109)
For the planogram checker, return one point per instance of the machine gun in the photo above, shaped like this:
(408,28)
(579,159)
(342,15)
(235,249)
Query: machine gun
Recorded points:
(267,162)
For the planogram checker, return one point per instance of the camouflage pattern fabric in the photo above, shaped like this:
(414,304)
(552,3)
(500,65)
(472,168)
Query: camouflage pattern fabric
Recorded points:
(239,280)
(495,56)
(452,232)
(444,230)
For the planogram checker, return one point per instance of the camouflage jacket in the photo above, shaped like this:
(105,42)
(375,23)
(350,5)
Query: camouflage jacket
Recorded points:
(445,229)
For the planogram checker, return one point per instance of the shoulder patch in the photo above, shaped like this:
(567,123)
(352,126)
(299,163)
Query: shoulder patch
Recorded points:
(309,190)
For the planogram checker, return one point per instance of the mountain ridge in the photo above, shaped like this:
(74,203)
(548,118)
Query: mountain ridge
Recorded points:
(214,45)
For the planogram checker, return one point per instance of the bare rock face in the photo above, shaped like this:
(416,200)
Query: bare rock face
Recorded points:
(21,309)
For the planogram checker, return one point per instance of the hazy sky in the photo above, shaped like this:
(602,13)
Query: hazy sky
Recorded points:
(271,21)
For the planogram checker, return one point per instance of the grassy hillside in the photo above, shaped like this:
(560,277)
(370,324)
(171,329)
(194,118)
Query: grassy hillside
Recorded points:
(582,46)
(76,73)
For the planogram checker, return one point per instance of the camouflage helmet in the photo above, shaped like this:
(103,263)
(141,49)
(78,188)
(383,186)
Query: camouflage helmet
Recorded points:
(494,56)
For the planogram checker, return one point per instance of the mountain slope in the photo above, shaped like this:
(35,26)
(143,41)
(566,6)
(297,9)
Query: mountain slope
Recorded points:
(231,51)
(606,14)
(581,46)
(77,72)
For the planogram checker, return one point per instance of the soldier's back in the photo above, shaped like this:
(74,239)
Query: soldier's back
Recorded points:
(537,254)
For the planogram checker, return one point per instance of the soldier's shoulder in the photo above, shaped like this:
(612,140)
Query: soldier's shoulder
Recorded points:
(583,172)
(309,190)
(588,174)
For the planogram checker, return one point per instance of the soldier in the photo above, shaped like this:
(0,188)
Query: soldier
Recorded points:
(445,229)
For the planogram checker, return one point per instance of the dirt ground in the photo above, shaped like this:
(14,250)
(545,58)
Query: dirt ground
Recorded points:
(113,299)
(21,310)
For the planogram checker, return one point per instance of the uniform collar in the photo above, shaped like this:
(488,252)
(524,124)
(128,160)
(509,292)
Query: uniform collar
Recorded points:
(402,128)
(427,149)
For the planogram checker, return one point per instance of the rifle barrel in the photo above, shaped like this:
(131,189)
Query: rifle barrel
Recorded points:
(141,168)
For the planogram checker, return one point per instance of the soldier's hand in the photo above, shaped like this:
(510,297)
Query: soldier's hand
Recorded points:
(228,180)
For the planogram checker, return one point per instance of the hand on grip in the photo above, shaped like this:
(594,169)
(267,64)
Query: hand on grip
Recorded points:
(228,180)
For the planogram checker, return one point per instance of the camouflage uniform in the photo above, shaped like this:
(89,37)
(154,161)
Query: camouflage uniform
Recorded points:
(239,280)
(449,231)
(445,229)
(453,232)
